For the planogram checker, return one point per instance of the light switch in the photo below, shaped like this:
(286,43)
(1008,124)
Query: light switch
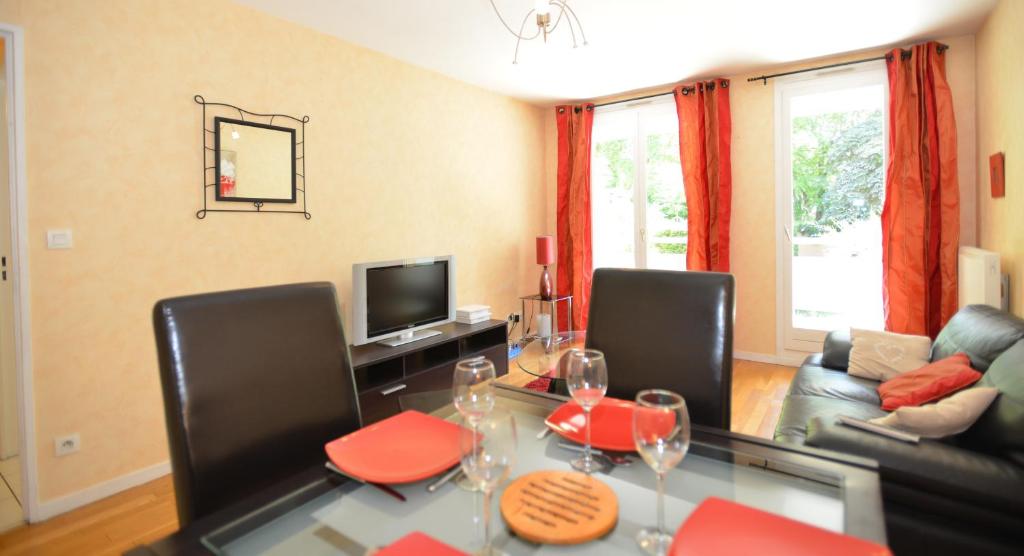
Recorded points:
(58,239)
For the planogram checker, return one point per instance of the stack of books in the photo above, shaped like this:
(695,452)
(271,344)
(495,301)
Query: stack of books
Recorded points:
(472,314)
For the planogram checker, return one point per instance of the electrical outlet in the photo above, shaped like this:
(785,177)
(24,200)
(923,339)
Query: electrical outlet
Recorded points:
(513,317)
(67,444)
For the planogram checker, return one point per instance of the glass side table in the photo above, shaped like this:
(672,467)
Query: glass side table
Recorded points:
(541,303)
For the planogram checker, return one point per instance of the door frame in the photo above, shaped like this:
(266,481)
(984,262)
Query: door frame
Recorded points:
(789,339)
(14,38)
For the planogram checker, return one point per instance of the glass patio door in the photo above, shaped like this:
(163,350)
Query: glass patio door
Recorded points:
(637,200)
(830,137)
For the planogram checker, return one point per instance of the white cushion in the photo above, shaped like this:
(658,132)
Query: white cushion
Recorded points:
(949,416)
(884,355)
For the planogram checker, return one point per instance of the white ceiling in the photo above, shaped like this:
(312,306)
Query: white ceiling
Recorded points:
(634,44)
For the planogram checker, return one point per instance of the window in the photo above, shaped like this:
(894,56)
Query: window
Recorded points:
(831,182)
(637,199)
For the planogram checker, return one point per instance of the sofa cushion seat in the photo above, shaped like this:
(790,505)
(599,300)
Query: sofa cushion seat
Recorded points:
(930,466)
(797,410)
(815,380)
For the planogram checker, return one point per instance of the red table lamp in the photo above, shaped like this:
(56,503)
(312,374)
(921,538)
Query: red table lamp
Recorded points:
(546,256)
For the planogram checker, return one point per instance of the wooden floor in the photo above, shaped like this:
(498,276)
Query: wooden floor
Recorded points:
(111,526)
(146,513)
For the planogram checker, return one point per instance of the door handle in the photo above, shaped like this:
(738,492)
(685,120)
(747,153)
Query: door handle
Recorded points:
(393,389)
(788,235)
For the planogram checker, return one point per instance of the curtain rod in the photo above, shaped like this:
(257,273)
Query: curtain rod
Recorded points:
(905,54)
(634,99)
(942,48)
(765,78)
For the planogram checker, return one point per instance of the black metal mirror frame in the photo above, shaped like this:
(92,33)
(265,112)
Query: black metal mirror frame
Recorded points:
(211,149)
(217,122)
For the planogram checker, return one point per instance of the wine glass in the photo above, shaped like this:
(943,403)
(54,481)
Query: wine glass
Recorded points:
(473,388)
(488,452)
(587,378)
(473,396)
(661,430)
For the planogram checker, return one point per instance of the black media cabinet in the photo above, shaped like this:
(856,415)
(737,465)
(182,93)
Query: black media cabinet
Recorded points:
(384,374)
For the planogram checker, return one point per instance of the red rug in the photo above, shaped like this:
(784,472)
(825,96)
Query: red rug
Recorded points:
(540,385)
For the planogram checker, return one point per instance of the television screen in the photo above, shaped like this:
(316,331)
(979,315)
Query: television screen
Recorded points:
(403,296)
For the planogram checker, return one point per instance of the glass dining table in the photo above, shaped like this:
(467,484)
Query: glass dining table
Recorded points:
(318,513)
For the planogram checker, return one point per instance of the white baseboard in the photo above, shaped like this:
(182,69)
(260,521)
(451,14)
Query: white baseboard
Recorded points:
(788,360)
(57,506)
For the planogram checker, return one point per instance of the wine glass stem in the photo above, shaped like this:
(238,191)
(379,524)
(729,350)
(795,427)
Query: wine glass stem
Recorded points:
(487,521)
(586,447)
(661,503)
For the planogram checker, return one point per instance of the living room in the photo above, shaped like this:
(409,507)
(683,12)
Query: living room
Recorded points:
(656,135)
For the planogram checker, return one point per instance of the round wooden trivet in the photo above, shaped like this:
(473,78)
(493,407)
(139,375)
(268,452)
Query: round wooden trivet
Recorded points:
(559,507)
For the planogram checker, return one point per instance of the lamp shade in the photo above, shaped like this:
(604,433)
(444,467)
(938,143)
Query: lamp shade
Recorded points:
(545,250)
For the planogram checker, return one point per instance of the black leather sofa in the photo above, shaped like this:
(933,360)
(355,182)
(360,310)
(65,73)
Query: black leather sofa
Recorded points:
(959,495)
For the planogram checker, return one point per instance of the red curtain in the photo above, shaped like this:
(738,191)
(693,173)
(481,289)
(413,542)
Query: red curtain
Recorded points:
(575,256)
(921,215)
(705,136)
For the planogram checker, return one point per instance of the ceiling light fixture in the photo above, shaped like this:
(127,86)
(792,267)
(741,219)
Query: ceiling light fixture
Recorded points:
(542,11)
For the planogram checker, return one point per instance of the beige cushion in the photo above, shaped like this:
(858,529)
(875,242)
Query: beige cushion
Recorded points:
(884,355)
(952,415)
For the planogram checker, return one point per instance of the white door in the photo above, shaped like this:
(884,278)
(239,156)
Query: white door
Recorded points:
(637,200)
(830,176)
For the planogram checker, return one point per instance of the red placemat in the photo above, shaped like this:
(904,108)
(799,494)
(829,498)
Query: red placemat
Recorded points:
(418,544)
(611,424)
(404,448)
(722,528)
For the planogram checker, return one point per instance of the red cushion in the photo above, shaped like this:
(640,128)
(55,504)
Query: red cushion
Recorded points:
(931,382)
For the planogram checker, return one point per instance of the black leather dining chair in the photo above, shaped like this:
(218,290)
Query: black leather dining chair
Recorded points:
(666,329)
(255,382)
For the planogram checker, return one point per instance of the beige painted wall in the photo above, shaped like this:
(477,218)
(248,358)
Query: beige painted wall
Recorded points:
(402,162)
(1001,129)
(753,166)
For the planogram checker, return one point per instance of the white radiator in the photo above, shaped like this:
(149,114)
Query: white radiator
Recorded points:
(980,278)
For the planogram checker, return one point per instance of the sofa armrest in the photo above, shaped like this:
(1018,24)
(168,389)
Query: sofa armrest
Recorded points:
(836,351)
(930,466)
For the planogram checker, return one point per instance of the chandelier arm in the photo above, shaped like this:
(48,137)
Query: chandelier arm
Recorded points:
(574,16)
(572,31)
(558,20)
(517,35)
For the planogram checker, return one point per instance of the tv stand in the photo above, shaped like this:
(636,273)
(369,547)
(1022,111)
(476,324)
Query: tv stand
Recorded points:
(408,337)
(383,374)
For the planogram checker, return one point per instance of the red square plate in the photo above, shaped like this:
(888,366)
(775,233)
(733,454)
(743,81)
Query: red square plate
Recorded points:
(405,448)
(611,424)
(722,528)
(418,544)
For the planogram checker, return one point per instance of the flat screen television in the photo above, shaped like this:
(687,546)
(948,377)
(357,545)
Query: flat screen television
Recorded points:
(395,302)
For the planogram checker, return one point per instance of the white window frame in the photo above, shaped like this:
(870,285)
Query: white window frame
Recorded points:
(789,338)
(666,104)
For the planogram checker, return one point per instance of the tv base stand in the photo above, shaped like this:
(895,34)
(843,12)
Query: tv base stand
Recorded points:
(410,337)
(383,375)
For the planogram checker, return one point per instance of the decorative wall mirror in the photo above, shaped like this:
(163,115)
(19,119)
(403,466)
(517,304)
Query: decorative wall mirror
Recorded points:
(252,158)
(255,162)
